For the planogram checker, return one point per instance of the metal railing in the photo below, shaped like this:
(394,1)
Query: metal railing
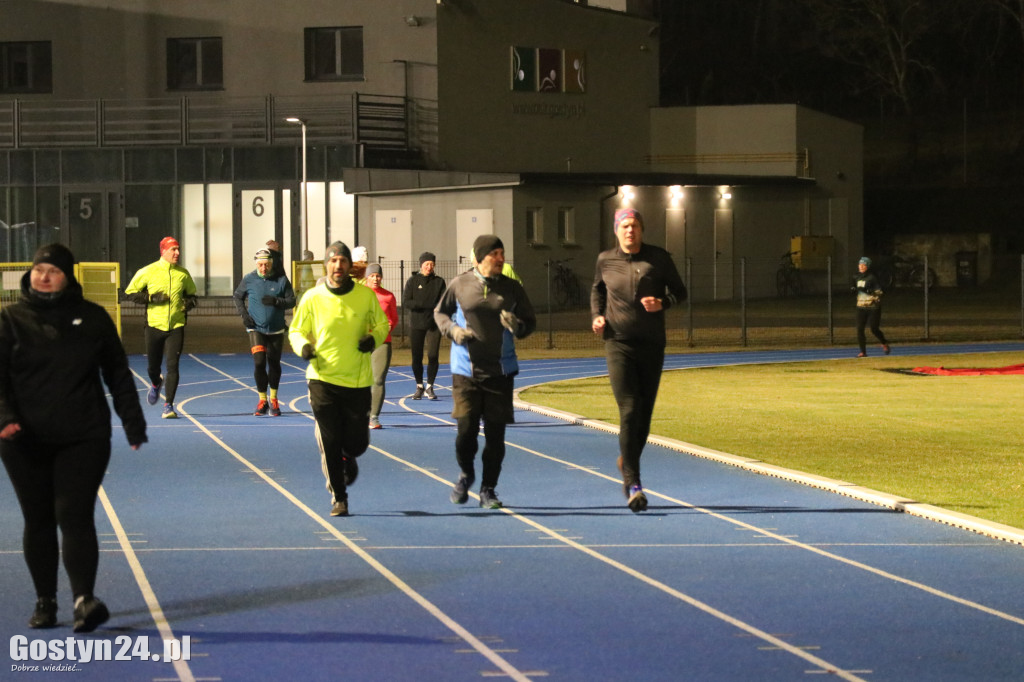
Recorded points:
(376,121)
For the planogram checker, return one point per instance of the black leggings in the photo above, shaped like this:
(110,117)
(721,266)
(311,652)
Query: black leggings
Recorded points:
(161,344)
(635,373)
(342,419)
(266,353)
(431,339)
(869,317)
(56,487)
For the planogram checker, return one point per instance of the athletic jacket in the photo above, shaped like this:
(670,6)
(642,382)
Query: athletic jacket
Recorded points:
(621,279)
(869,291)
(390,307)
(333,323)
(257,315)
(422,292)
(475,303)
(165,278)
(53,354)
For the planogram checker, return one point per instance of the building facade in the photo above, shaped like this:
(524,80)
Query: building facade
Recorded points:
(416,125)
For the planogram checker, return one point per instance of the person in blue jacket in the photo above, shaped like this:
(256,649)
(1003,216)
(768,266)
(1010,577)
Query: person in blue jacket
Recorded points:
(483,311)
(262,297)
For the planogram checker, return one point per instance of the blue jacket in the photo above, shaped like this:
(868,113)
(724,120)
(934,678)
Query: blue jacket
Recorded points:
(257,315)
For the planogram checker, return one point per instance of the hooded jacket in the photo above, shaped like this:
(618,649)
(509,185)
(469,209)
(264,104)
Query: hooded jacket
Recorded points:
(53,354)
(422,292)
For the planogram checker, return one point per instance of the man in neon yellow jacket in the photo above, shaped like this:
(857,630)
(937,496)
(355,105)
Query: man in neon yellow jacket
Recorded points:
(168,292)
(336,327)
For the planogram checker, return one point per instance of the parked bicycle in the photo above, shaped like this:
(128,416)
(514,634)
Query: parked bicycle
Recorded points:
(905,272)
(787,278)
(565,285)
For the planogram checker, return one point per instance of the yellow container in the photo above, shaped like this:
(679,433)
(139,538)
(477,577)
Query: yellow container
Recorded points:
(812,252)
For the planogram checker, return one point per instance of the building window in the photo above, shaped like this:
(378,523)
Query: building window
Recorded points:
(534,225)
(195,64)
(26,67)
(334,54)
(566,225)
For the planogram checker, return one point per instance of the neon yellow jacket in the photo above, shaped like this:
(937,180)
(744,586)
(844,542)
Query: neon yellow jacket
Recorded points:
(333,324)
(165,278)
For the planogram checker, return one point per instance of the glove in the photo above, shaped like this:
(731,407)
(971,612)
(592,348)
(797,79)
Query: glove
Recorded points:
(307,352)
(367,344)
(249,322)
(269,300)
(159,297)
(461,335)
(509,321)
(190,303)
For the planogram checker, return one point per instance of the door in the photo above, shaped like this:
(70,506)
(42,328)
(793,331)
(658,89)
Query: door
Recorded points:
(392,237)
(90,217)
(470,223)
(259,220)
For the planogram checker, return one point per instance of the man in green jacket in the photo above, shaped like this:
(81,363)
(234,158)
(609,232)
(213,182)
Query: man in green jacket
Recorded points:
(336,327)
(168,292)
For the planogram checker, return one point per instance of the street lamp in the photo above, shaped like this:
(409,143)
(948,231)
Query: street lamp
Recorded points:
(304,216)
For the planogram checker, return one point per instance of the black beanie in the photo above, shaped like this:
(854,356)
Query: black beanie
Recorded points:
(484,244)
(335,249)
(59,255)
(427,256)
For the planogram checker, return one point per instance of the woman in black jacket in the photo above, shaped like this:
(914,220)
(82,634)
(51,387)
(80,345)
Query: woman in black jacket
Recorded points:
(55,426)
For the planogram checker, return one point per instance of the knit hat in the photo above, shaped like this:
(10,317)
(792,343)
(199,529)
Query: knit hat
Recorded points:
(623,214)
(427,256)
(359,255)
(374,269)
(262,254)
(58,255)
(484,244)
(337,249)
(168,243)
(865,261)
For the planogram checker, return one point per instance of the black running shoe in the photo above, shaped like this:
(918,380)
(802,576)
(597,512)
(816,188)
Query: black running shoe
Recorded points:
(637,500)
(90,613)
(460,493)
(45,615)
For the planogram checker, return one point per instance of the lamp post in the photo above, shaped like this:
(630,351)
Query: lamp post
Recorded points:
(304,216)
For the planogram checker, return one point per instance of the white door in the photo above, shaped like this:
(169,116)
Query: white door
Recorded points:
(393,238)
(470,223)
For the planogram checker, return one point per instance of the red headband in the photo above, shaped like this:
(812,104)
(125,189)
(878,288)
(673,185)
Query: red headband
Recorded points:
(168,243)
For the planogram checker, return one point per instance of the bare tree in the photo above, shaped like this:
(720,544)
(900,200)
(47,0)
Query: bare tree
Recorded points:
(885,40)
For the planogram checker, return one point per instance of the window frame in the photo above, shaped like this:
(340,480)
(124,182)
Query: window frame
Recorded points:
(340,64)
(37,58)
(567,224)
(534,225)
(202,54)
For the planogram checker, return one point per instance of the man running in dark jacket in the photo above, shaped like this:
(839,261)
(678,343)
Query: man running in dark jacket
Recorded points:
(634,283)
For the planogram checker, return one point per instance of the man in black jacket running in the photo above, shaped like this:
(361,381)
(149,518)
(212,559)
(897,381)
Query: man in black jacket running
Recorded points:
(634,283)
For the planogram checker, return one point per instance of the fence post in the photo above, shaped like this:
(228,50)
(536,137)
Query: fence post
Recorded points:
(743,301)
(927,329)
(831,311)
(1022,296)
(551,342)
(401,289)
(689,299)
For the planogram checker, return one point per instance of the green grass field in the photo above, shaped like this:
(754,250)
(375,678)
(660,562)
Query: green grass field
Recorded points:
(954,442)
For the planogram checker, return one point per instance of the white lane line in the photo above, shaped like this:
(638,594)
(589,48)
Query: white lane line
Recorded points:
(507,668)
(790,541)
(152,603)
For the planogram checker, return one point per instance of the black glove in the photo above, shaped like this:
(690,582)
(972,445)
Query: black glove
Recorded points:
(159,297)
(269,300)
(190,302)
(307,352)
(249,322)
(367,344)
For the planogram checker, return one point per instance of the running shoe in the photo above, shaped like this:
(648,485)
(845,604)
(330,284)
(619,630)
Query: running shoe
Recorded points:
(275,408)
(637,500)
(169,412)
(375,423)
(460,493)
(340,508)
(45,614)
(90,613)
(489,499)
(430,392)
(154,393)
(261,409)
(419,392)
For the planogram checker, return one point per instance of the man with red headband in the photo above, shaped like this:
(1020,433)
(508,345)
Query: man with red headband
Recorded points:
(168,292)
(634,283)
